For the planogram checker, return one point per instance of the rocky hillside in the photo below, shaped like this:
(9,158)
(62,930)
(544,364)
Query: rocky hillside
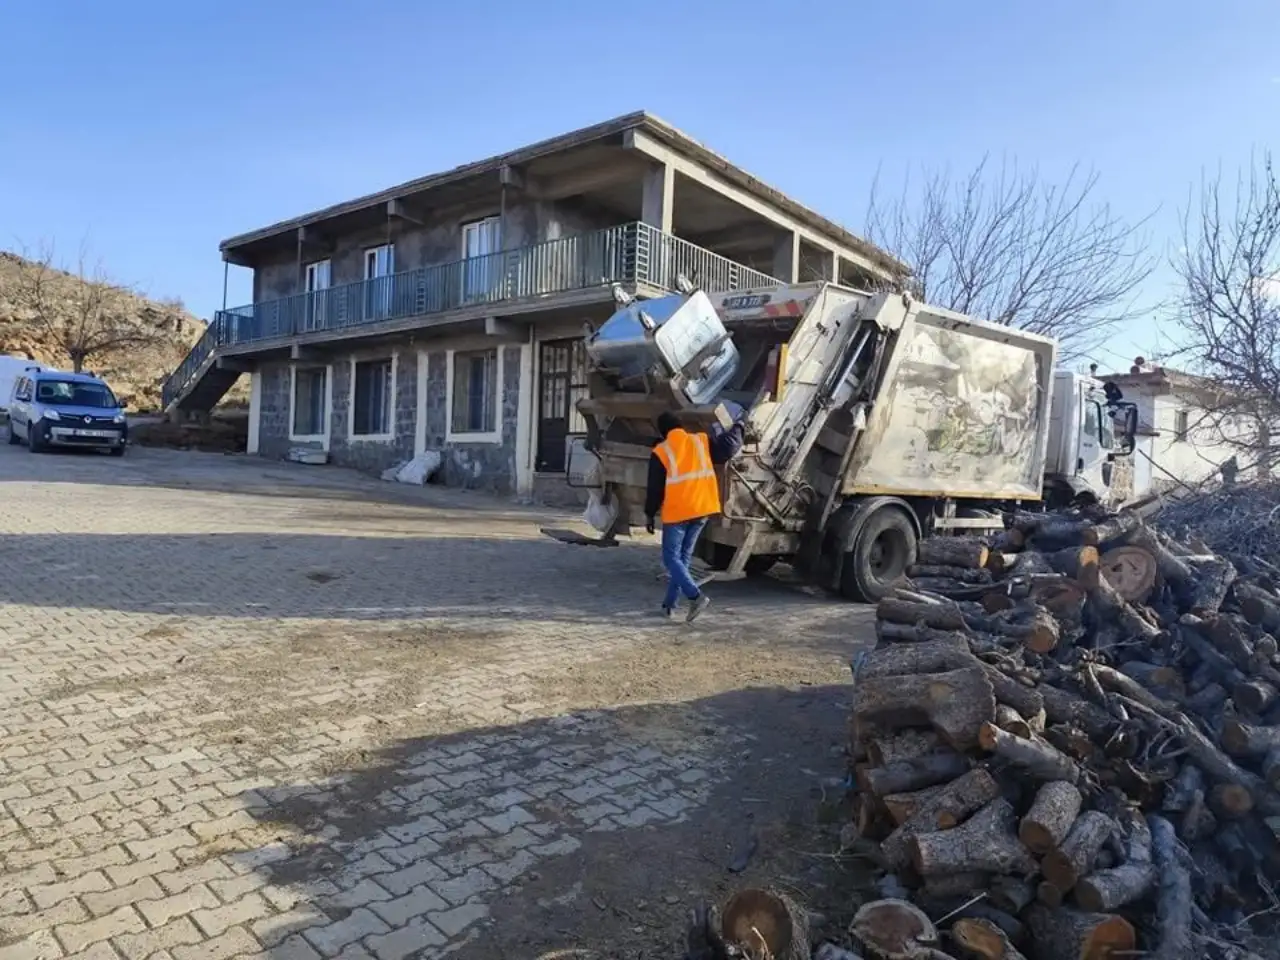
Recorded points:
(135,373)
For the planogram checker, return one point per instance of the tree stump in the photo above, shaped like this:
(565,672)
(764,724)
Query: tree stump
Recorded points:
(1049,820)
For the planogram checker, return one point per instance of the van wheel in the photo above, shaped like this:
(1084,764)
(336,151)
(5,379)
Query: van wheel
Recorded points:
(117,451)
(13,437)
(885,547)
(33,441)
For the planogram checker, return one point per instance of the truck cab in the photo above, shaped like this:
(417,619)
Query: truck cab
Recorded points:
(1090,426)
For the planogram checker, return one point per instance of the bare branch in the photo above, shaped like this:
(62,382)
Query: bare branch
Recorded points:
(83,312)
(1229,312)
(1011,248)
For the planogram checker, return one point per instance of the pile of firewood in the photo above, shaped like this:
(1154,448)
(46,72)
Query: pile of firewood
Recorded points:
(1067,743)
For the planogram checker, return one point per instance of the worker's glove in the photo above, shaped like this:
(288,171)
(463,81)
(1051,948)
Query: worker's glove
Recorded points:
(648,524)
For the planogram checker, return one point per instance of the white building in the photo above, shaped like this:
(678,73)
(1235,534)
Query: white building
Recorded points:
(1182,436)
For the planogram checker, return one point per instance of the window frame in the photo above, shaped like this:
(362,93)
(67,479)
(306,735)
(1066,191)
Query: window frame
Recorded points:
(1181,424)
(389,435)
(482,436)
(326,409)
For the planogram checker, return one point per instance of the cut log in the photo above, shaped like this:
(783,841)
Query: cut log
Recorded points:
(1161,680)
(1078,563)
(887,748)
(1206,699)
(939,616)
(1173,895)
(958,574)
(890,633)
(1010,720)
(983,939)
(941,811)
(904,776)
(1049,895)
(1049,820)
(1258,606)
(1211,578)
(1026,700)
(1171,567)
(1105,890)
(1037,758)
(1008,541)
(1271,768)
(902,807)
(1074,857)
(1010,894)
(947,886)
(1062,706)
(893,930)
(1029,623)
(1072,935)
(969,552)
(1059,531)
(1000,561)
(985,842)
(1254,696)
(1242,739)
(1183,788)
(1219,766)
(765,923)
(1131,571)
(1230,800)
(1113,608)
(929,656)
(955,703)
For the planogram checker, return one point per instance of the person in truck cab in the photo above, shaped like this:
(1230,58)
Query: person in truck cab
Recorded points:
(682,487)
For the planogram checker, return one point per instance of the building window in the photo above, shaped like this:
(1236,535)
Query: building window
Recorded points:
(371,398)
(475,393)
(1180,425)
(310,390)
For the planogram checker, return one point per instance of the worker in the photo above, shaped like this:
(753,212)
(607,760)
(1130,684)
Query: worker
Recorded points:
(683,488)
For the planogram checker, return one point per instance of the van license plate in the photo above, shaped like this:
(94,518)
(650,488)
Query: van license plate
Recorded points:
(92,433)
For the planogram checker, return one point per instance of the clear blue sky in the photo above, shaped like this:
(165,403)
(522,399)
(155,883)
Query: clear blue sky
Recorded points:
(156,130)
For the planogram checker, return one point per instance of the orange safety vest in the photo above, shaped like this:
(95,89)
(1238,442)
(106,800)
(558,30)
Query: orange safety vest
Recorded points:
(692,490)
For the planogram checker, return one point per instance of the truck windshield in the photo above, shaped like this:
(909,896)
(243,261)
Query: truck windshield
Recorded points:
(71,393)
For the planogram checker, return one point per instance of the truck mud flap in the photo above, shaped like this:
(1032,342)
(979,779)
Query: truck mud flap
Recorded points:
(573,537)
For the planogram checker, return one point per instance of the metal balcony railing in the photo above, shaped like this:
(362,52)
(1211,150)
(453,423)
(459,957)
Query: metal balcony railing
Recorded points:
(630,253)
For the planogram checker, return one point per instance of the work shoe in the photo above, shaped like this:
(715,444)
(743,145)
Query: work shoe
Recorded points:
(696,607)
(666,613)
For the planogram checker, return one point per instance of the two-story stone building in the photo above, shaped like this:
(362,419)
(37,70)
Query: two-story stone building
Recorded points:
(447,313)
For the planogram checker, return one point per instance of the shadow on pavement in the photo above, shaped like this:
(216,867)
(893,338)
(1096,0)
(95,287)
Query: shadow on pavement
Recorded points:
(595,831)
(372,578)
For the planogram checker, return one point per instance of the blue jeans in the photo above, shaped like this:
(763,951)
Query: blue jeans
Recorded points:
(678,541)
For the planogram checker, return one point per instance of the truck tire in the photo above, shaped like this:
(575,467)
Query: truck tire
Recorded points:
(884,548)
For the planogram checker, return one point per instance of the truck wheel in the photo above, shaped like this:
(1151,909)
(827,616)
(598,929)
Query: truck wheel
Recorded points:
(885,547)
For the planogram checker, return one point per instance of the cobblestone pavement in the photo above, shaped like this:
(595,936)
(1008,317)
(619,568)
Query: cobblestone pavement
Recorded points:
(252,709)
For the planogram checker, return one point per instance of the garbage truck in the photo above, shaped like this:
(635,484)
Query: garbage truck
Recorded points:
(871,420)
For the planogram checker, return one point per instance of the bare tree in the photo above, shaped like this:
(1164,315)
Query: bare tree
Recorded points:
(1229,312)
(1008,247)
(86,314)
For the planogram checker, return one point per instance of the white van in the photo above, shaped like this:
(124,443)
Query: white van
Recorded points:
(10,368)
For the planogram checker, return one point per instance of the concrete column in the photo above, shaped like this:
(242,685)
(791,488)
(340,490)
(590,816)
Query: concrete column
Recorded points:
(658,197)
(255,411)
(786,257)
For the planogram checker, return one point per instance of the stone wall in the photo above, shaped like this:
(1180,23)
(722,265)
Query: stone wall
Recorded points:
(374,456)
(483,466)
(273,425)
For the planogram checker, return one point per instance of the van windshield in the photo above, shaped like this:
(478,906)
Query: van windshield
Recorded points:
(70,393)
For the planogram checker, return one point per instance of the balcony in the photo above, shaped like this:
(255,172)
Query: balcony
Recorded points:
(633,253)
